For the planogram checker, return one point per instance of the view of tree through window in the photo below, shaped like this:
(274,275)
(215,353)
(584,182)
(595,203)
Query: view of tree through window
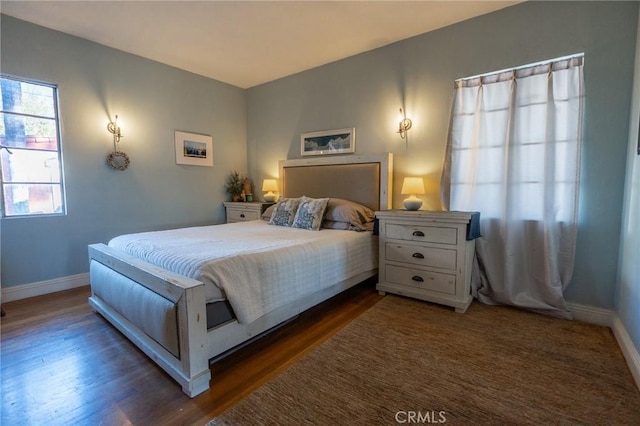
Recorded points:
(30,149)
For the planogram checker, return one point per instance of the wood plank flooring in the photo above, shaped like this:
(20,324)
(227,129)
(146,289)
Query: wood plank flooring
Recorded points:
(63,364)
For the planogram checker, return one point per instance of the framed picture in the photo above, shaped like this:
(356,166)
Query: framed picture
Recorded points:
(341,141)
(194,149)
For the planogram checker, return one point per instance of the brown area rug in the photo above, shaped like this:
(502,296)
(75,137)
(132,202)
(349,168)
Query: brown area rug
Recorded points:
(405,361)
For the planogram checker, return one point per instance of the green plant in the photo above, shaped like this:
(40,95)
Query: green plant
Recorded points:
(234,183)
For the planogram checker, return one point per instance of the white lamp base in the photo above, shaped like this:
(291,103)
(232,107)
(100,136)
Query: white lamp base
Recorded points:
(412,203)
(270,197)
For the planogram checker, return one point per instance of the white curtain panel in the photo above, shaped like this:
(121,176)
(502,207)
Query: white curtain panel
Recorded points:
(513,154)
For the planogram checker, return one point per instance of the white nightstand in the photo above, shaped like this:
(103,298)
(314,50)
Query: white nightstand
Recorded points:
(241,212)
(426,255)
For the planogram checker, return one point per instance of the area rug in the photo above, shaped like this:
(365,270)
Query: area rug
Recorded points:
(405,362)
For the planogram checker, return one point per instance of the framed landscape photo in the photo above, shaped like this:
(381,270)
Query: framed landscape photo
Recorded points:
(194,149)
(341,141)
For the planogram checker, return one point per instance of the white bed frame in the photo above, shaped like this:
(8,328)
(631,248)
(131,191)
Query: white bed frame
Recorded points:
(186,297)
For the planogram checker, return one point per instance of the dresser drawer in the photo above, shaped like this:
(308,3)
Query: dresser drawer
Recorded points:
(237,215)
(432,281)
(429,234)
(419,255)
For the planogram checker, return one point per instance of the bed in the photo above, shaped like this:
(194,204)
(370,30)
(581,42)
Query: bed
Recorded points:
(162,300)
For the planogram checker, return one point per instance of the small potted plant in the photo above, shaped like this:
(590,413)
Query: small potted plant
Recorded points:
(234,185)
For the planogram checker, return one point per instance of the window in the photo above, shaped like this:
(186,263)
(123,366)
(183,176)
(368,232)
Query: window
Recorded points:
(30,155)
(516,141)
(513,154)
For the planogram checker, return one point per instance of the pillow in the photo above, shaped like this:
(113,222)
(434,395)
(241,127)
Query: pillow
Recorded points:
(356,216)
(266,215)
(331,224)
(310,213)
(285,211)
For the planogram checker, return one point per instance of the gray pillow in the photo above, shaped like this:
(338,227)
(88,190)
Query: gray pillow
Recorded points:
(345,214)
(266,215)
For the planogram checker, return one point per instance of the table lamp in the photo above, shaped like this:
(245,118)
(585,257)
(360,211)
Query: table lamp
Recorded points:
(412,186)
(270,185)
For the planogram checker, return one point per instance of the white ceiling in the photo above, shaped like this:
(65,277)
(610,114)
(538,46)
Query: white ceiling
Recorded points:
(246,43)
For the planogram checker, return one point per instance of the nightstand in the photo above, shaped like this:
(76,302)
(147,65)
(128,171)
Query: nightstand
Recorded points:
(427,255)
(241,212)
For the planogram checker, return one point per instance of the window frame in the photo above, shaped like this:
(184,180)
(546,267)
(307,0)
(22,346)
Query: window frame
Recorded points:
(58,134)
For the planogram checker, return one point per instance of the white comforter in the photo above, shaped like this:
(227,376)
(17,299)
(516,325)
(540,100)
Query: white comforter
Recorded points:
(256,266)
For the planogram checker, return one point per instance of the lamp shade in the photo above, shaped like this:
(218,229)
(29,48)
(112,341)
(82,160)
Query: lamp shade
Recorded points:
(269,185)
(412,186)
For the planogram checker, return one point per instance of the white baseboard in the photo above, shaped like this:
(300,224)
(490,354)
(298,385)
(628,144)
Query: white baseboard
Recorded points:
(608,318)
(9,294)
(592,315)
(629,350)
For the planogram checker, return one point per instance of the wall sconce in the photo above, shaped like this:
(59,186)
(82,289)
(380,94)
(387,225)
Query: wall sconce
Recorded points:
(404,125)
(271,186)
(114,129)
(117,159)
(412,186)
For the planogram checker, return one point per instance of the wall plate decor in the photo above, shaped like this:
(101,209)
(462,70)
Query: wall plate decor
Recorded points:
(118,160)
(341,141)
(194,149)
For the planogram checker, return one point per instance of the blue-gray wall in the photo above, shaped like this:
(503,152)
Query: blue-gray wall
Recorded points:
(629,275)
(365,91)
(152,100)
(255,128)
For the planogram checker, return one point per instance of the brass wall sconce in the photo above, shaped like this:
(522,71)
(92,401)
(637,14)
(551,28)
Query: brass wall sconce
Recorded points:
(404,125)
(117,159)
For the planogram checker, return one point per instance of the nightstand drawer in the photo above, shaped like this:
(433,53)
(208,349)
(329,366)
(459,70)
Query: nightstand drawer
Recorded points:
(429,234)
(234,215)
(432,281)
(420,255)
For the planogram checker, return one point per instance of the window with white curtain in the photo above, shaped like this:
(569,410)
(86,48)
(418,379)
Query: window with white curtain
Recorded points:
(507,137)
(513,154)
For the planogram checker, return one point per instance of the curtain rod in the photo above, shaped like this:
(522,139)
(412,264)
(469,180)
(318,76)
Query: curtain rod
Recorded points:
(521,67)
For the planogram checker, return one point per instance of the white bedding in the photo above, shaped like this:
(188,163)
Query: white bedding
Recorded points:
(256,266)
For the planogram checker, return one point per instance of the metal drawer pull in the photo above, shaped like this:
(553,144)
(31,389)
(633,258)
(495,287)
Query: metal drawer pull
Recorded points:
(418,234)
(418,255)
(242,215)
(417,278)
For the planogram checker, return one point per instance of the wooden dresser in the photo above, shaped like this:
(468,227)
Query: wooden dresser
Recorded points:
(427,255)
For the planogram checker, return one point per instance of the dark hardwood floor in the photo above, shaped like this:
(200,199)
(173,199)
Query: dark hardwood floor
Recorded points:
(63,364)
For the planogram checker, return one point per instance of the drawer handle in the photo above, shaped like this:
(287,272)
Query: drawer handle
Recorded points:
(418,234)
(417,278)
(242,215)
(418,255)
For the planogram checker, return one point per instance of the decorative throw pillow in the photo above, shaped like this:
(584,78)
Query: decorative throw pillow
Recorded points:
(310,212)
(285,212)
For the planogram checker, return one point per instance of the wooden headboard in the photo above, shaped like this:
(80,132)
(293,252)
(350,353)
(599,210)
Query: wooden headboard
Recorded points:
(365,179)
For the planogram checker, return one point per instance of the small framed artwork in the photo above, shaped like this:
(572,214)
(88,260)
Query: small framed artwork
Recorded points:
(341,141)
(194,149)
